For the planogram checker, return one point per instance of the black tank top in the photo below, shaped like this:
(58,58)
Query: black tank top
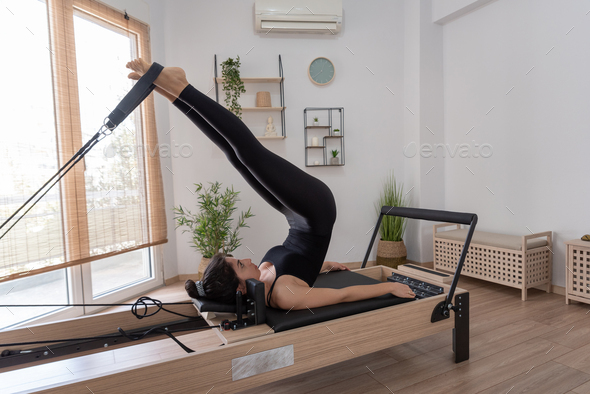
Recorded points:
(301,255)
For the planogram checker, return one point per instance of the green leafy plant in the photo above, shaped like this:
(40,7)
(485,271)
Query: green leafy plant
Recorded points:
(392,195)
(316,119)
(232,85)
(335,153)
(211,227)
(336,130)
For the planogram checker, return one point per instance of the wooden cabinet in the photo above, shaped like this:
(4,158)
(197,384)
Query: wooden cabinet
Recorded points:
(577,271)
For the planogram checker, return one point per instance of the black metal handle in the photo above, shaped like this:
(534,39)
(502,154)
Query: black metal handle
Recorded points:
(429,214)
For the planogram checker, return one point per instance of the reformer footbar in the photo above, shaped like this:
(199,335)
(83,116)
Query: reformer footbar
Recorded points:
(140,91)
(442,309)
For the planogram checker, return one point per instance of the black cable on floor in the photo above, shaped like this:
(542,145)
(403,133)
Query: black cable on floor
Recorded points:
(134,336)
(142,301)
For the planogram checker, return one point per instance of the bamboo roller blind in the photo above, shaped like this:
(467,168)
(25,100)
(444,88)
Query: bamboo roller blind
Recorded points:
(105,205)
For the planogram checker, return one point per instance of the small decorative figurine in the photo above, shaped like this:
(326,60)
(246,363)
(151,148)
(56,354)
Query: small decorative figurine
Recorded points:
(270,128)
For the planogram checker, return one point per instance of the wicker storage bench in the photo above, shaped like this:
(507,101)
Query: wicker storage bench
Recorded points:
(516,261)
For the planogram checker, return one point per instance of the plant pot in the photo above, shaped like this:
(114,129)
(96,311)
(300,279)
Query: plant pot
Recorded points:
(391,253)
(202,266)
(316,123)
(335,161)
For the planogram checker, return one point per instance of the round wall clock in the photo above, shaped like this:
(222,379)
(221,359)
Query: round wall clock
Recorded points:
(321,71)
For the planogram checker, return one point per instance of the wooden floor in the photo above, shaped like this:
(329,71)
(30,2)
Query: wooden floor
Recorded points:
(536,346)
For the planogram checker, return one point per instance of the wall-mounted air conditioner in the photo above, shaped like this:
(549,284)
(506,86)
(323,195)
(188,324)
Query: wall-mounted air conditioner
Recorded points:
(303,16)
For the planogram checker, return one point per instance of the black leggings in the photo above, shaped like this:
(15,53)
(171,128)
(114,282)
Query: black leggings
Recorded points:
(306,202)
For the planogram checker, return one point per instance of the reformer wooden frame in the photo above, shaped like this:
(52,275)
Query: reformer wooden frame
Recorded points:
(314,346)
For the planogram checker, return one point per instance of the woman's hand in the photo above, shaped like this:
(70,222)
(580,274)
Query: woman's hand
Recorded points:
(401,290)
(334,266)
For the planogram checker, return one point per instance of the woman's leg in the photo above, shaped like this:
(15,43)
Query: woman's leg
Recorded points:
(214,136)
(173,81)
(309,198)
(300,192)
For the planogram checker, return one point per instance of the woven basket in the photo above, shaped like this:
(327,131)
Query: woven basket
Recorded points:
(263,99)
(202,266)
(391,253)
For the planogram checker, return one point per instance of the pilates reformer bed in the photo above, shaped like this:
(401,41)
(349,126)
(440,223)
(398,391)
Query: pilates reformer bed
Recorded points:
(263,346)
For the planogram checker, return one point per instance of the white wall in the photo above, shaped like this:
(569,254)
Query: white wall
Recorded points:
(539,131)
(444,11)
(196,30)
(423,121)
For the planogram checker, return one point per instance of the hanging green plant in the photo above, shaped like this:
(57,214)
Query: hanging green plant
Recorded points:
(232,85)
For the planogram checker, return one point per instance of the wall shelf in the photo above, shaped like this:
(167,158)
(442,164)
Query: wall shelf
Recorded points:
(320,132)
(278,137)
(280,80)
(254,80)
(261,109)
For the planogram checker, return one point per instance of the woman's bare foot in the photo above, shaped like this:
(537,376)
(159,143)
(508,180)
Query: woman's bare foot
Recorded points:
(170,83)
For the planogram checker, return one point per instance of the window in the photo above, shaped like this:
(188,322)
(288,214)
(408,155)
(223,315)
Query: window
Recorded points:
(96,232)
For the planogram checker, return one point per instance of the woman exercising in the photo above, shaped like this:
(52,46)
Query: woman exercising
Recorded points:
(288,271)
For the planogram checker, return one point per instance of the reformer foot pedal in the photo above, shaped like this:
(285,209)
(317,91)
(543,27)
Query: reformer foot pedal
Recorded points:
(422,289)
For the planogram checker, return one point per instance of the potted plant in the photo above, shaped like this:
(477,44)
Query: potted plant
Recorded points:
(335,160)
(391,250)
(336,131)
(316,121)
(211,226)
(232,85)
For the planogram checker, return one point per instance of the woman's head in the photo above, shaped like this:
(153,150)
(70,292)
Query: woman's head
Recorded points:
(223,277)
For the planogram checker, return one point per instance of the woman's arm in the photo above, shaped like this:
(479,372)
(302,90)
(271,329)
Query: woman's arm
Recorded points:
(333,266)
(301,297)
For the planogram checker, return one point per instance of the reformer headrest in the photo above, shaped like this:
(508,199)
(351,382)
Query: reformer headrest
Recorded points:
(255,292)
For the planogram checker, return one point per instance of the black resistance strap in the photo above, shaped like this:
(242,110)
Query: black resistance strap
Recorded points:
(139,92)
